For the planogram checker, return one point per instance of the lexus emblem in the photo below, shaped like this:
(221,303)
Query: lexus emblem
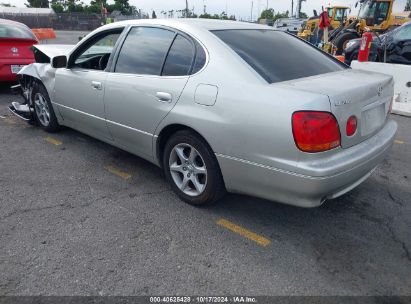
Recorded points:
(379,92)
(14,50)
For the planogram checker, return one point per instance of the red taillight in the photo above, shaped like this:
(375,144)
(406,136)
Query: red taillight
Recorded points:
(315,131)
(351,126)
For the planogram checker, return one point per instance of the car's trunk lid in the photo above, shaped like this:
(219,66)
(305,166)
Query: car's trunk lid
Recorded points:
(15,48)
(366,95)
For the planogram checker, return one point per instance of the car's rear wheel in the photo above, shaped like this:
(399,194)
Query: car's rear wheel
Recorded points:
(192,169)
(43,110)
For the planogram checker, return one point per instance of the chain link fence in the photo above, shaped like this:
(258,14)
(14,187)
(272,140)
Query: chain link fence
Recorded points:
(65,21)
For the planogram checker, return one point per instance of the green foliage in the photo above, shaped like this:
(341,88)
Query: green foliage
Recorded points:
(270,14)
(222,16)
(77,6)
(303,15)
(122,6)
(267,14)
(37,3)
(408,6)
(57,7)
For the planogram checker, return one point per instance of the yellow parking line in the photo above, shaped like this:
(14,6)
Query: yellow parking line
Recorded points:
(53,141)
(400,142)
(117,172)
(260,240)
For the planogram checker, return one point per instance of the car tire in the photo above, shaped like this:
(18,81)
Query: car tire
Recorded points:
(192,170)
(43,110)
(342,40)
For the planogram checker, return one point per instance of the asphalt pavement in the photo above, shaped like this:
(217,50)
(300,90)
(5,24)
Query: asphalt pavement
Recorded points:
(80,217)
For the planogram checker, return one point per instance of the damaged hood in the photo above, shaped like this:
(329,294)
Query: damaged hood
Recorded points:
(52,50)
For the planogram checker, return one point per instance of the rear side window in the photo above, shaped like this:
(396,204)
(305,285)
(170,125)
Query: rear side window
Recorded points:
(180,58)
(144,51)
(200,60)
(16,31)
(278,56)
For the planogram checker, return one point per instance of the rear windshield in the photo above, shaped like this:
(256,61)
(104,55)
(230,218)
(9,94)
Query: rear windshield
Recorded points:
(278,56)
(15,31)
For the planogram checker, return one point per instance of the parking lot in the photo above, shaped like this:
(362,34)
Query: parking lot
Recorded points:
(80,217)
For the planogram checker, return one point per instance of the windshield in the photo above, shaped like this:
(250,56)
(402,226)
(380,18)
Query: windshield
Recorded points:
(15,31)
(340,14)
(278,56)
(374,12)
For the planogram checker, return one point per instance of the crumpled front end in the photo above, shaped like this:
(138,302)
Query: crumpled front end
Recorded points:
(40,71)
(27,77)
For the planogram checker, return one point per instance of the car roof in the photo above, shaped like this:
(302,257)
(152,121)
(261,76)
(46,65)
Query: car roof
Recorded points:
(12,22)
(197,23)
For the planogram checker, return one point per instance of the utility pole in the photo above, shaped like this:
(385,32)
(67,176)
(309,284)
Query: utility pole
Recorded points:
(252,4)
(267,6)
(186,8)
(292,7)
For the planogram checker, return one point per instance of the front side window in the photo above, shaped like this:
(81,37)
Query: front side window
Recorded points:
(95,56)
(278,56)
(144,51)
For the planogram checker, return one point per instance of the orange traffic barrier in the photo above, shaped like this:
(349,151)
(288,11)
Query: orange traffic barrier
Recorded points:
(44,33)
(340,58)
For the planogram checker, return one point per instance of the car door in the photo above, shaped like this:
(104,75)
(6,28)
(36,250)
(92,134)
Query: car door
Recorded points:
(80,87)
(152,67)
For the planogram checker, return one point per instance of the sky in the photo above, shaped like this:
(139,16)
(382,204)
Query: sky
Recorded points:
(240,8)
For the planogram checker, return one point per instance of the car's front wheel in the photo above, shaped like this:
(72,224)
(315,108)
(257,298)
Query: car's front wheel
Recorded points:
(192,169)
(43,110)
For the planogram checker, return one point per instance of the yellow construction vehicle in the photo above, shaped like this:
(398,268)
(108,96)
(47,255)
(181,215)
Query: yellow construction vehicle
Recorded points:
(374,15)
(311,32)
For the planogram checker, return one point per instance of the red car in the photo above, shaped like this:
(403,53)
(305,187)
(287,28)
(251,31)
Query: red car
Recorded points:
(16,40)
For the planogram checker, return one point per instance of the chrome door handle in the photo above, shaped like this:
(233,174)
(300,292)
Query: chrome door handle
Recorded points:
(96,85)
(164,97)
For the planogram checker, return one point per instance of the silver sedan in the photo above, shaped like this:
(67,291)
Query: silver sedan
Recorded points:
(219,105)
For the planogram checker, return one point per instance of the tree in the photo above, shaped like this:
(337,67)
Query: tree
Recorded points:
(408,6)
(267,14)
(95,6)
(303,15)
(154,16)
(280,15)
(122,6)
(37,3)
(57,6)
(74,6)
(222,16)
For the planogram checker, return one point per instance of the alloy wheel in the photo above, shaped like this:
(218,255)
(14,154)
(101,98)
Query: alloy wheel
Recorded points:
(42,109)
(188,169)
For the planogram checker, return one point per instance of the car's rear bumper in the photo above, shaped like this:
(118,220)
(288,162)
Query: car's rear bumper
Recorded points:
(5,68)
(329,178)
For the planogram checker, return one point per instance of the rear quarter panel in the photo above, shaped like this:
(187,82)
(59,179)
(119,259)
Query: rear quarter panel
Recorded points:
(251,119)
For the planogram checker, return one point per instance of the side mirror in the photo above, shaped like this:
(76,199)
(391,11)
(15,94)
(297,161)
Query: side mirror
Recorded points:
(59,62)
